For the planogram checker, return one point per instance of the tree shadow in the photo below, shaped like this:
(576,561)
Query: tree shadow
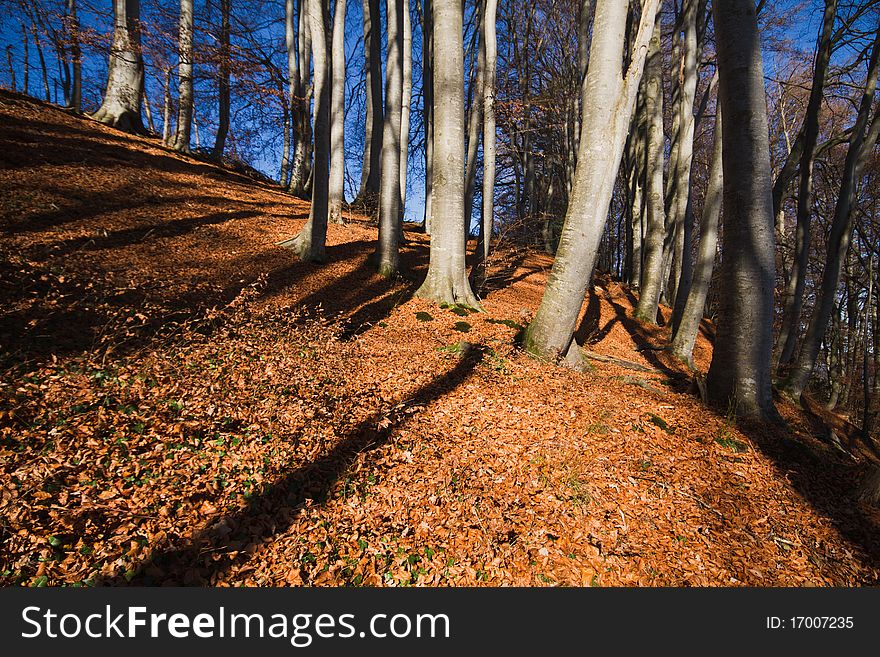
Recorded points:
(230,540)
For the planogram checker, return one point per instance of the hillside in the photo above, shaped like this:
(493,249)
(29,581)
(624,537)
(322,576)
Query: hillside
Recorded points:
(183,402)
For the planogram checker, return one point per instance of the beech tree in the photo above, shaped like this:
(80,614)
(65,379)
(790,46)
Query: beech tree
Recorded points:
(311,241)
(739,376)
(607,112)
(121,107)
(185,75)
(337,116)
(447,280)
(387,246)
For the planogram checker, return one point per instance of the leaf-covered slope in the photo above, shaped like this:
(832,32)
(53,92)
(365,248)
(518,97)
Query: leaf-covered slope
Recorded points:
(182,401)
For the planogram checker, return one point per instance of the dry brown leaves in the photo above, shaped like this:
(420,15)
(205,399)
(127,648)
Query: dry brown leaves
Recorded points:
(181,402)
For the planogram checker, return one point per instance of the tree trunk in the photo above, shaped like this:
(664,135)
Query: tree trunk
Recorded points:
(739,377)
(861,144)
(686,334)
(302,125)
(26,61)
(185,78)
(610,98)
(428,105)
(121,107)
(76,56)
(166,110)
(337,116)
(405,103)
(487,223)
(683,220)
(447,274)
(794,291)
(223,89)
(652,274)
(310,244)
(474,126)
(368,194)
(387,248)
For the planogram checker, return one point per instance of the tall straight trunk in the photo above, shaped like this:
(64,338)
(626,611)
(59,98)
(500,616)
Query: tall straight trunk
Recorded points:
(406,101)
(26,58)
(686,334)
(652,273)
(368,194)
(861,144)
(302,125)
(148,111)
(75,56)
(286,146)
(428,105)
(185,77)
(490,46)
(794,290)
(683,165)
(310,244)
(47,93)
(166,106)
(866,354)
(447,274)
(11,67)
(636,209)
(609,102)
(223,88)
(475,118)
(293,103)
(337,116)
(121,107)
(387,248)
(739,377)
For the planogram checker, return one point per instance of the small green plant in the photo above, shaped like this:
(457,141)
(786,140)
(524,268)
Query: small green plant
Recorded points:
(506,322)
(424,317)
(660,422)
(464,327)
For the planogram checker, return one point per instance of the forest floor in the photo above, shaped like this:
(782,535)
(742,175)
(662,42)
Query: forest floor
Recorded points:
(183,402)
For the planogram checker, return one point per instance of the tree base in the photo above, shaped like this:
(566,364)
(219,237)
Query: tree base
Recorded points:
(443,289)
(302,247)
(126,120)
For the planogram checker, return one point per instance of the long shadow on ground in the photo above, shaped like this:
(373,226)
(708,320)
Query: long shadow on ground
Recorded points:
(230,541)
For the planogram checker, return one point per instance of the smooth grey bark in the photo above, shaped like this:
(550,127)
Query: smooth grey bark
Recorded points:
(310,244)
(368,194)
(337,116)
(406,101)
(428,105)
(75,56)
(867,417)
(166,106)
(636,191)
(862,142)
(223,86)
(692,314)
(185,78)
(388,246)
(739,376)
(794,290)
(300,104)
(293,104)
(475,117)
(610,99)
(121,106)
(655,230)
(682,219)
(487,221)
(447,280)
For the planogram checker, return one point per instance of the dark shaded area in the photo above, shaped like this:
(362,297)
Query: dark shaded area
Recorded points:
(231,539)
